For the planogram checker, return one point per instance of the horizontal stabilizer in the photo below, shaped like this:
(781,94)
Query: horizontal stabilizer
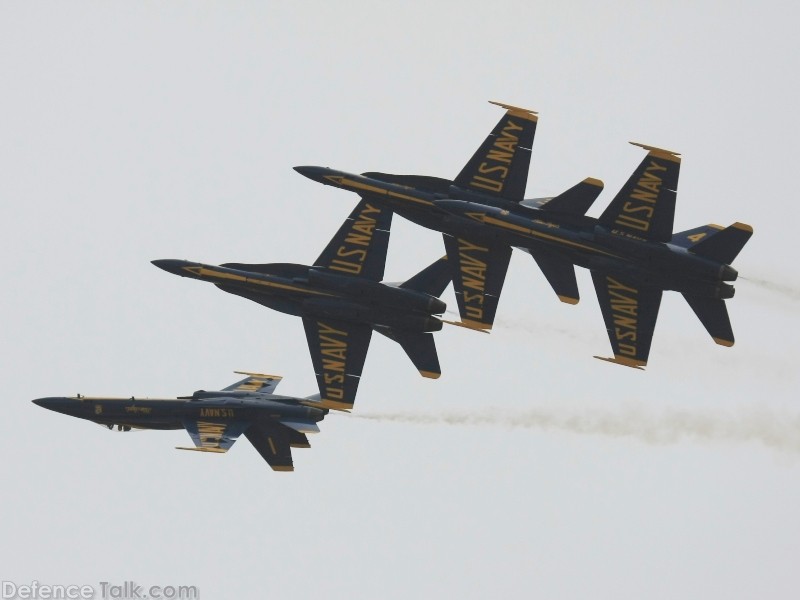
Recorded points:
(273,443)
(713,314)
(724,246)
(420,348)
(301,426)
(297,439)
(577,199)
(690,237)
(432,280)
(560,273)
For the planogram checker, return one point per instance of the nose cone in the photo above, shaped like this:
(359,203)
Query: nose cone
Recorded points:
(317,174)
(67,406)
(170,265)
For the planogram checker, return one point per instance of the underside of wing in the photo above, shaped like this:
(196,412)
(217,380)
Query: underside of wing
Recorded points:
(645,206)
(359,247)
(479,271)
(500,165)
(338,351)
(630,314)
(213,435)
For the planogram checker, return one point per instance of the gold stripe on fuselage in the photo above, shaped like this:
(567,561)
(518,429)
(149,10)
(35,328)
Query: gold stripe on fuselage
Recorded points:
(357,185)
(533,233)
(203,271)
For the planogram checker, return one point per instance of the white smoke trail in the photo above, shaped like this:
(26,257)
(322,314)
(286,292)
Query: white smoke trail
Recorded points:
(775,430)
(786,291)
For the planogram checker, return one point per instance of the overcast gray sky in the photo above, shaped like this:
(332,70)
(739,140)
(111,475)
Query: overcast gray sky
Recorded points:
(137,131)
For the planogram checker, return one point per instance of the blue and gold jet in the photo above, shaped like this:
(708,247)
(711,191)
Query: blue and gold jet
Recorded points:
(341,300)
(214,420)
(630,250)
(496,175)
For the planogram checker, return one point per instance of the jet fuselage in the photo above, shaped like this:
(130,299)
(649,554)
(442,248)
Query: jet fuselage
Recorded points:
(584,242)
(303,291)
(162,414)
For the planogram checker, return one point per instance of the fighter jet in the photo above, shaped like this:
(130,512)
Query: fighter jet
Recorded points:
(630,250)
(496,175)
(214,420)
(341,300)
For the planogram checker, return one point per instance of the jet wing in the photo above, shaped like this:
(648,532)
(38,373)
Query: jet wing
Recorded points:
(645,206)
(338,351)
(479,272)
(630,314)
(359,247)
(213,435)
(274,443)
(500,165)
(255,382)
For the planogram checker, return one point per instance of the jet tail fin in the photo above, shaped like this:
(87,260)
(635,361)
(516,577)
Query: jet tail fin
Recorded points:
(713,314)
(577,199)
(432,280)
(420,348)
(724,246)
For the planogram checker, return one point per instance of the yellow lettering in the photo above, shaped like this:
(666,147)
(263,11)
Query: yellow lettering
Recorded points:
(497,156)
(486,170)
(486,183)
(627,221)
(630,207)
(345,267)
(327,329)
(644,196)
(358,240)
(470,298)
(474,312)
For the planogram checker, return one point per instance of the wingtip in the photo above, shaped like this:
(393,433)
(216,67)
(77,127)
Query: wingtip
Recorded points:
(625,361)
(335,405)
(471,325)
(593,181)
(261,375)
(524,113)
(569,300)
(660,152)
(723,342)
(430,374)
